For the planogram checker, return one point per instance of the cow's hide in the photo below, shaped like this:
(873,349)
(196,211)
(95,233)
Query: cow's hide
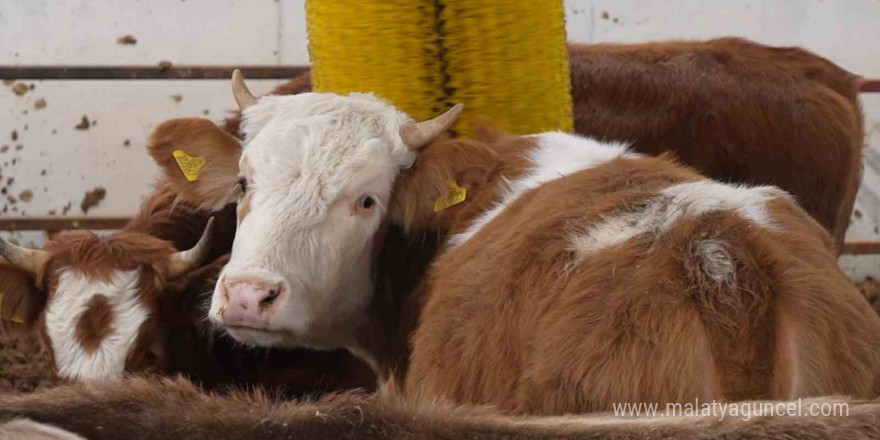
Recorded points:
(175,409)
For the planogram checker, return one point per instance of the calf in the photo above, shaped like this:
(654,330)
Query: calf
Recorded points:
(735,110)
(580,273)
(101,329)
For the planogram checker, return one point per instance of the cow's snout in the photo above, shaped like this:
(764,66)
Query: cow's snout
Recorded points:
(248,301)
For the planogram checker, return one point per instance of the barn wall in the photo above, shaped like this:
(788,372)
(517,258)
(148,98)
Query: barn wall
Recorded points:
(58,163)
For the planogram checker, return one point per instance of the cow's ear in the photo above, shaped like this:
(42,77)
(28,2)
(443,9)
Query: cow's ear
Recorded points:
(198,159)
(445,178)
(21,302)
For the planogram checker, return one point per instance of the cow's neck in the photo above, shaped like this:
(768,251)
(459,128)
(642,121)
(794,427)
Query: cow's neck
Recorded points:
(402,282)
(383,339)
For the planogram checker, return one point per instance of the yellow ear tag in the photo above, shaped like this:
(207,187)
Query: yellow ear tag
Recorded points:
(17,318)
(190,165)
(455,196)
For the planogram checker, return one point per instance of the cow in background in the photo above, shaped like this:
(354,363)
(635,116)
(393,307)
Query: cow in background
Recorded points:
(121,304)
(735,110)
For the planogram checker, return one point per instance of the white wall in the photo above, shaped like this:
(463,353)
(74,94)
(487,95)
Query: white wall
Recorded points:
(252,32)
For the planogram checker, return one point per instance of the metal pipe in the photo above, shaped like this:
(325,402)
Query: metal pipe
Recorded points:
(147,72)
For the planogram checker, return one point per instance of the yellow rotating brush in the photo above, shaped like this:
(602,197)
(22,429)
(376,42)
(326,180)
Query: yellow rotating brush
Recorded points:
(506,60)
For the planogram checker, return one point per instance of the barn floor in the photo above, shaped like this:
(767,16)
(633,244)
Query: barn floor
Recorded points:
(25,366)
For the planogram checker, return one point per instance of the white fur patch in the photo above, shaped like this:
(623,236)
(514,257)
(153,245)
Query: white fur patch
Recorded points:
(672,204)
(556,155)
(24,429)
(71,299)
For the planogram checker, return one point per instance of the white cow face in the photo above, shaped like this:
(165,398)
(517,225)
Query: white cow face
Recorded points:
(316,173)
(313,181)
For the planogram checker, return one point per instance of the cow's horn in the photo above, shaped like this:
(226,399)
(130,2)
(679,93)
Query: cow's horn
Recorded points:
(182,262)
(30,260)
(242,95)
(418,134)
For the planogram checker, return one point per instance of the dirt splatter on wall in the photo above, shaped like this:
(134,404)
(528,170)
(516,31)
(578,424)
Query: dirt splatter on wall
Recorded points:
(92,198)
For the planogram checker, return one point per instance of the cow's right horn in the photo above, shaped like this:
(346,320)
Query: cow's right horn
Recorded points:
(184,261)
(417,135)
(30,260)
(243,97)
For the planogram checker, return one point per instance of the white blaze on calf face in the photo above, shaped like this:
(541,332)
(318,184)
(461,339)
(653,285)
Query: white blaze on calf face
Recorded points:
(72,299)
(319,169)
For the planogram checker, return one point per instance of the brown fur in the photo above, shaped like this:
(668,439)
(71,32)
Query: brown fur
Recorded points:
(735,110)
(95,323)
(142,409)
(205,140)
(512,319)
(20,299)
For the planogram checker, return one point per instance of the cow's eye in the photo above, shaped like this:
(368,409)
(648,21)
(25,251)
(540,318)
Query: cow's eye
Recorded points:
(366,202)
(242,182)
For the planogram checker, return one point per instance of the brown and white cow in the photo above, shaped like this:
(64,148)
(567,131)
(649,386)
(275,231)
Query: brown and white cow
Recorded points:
(579,274)
(97,326)
(93,298)
(735,110)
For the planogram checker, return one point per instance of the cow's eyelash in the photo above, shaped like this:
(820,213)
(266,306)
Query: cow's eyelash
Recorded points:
(242,182)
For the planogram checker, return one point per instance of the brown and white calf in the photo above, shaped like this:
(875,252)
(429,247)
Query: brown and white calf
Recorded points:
(579,273)
(107,306)
(93,298)
(735,110)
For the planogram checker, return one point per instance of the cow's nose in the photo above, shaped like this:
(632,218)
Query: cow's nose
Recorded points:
(249,301)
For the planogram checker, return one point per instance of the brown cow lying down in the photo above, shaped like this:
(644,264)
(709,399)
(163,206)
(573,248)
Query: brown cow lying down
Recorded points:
(107,306)
(735,110)
(141,409)
(579,273)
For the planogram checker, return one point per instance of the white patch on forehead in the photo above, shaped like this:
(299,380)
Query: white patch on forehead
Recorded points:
(70,300)
(304,150)
(556,155)
(659,214)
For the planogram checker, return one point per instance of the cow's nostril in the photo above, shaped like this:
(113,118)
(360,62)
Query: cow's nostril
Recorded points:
(270,298)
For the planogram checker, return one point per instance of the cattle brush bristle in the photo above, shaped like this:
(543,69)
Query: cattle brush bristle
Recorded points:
(506,60)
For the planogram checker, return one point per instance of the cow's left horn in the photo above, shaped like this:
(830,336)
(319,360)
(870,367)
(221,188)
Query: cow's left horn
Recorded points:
(418,134)
(185,261)
(243,97)
(30,260)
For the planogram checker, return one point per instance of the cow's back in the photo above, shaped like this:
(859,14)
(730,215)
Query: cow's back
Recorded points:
(623,283)
(735,110)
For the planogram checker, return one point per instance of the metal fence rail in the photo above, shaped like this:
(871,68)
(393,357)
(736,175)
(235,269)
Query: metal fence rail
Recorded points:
(169,72)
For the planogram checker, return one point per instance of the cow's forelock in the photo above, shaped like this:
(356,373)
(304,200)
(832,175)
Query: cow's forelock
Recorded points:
(307,160)
(122,314)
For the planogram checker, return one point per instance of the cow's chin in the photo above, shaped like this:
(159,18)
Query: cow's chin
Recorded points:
(259,337)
